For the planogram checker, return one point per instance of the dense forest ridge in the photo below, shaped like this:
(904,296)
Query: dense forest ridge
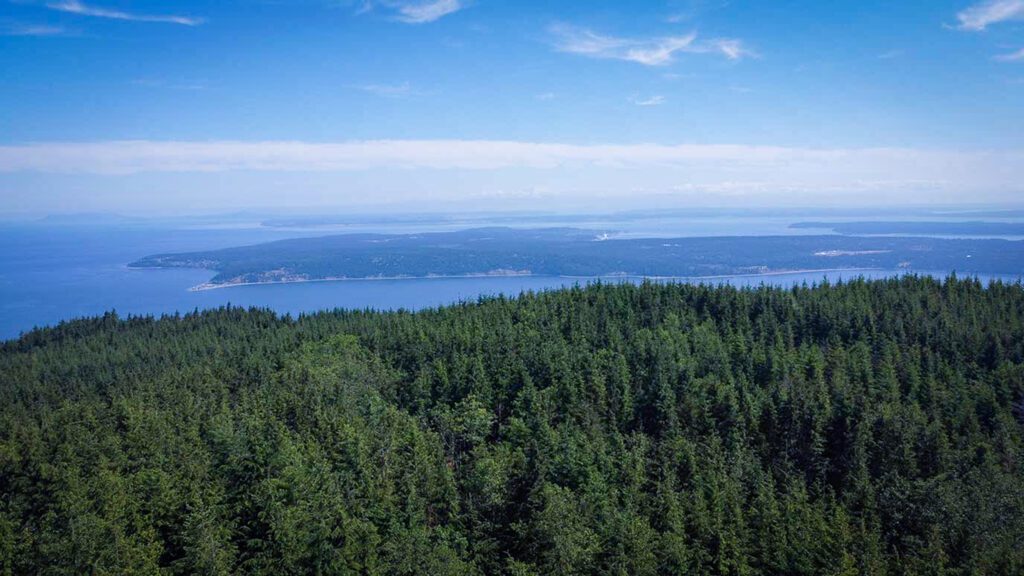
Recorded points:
(580,253)
(868,427)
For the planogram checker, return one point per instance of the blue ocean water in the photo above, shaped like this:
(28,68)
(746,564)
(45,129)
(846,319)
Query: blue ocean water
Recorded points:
(53,273)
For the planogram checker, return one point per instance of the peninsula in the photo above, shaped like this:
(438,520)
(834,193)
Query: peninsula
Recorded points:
(583,253)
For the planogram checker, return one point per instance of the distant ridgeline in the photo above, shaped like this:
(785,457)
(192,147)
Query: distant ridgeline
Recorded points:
(861,428)
(941,228)
(573,252)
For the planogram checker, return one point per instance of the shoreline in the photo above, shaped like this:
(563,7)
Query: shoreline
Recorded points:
(205,286)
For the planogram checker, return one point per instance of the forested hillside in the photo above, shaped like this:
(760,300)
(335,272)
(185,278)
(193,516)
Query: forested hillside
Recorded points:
(863,428)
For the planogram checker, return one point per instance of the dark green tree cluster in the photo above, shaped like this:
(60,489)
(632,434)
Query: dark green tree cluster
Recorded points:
(860,428)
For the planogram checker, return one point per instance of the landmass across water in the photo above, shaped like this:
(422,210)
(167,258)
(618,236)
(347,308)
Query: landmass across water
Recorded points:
(571,252)
(974,228)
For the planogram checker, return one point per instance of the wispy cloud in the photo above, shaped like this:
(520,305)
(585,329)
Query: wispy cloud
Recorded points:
(32,30)
(980,16)
(730,48)
(387,90)
(544,96)
(415,11)
(419,13)
(77,7)
(691,9)
(157,83)
(657,51)
(1017,56)
(656,100)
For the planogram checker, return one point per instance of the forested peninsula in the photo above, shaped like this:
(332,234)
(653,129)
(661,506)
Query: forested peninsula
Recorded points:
(869,427)
(580,253)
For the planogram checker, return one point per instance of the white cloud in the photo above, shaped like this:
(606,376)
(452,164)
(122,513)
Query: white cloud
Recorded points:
(416,11)
(32,30)
(1017,56)
(980,16)
(649,52)
(544,96)
(387,90)
(656,100)
(77,7)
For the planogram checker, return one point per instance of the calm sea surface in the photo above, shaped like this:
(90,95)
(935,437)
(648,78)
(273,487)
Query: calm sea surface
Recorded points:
(50,274)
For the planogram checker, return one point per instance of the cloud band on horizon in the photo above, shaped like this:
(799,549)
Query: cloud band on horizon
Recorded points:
(969,169)
(147,174)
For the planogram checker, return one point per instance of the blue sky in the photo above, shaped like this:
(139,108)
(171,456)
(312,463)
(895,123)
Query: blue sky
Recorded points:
(486,104)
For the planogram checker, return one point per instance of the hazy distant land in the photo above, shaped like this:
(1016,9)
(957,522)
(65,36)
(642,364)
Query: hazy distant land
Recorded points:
(582,253)
(973,228)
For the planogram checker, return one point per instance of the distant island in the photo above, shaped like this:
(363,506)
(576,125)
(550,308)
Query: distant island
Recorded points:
(974,228)
(583,253)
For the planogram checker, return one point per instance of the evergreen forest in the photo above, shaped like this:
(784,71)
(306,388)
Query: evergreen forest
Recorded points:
(867,427)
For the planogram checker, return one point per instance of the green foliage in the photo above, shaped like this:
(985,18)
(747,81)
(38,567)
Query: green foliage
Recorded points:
(861,428)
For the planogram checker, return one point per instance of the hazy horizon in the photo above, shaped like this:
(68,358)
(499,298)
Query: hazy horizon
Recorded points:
(371,213)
